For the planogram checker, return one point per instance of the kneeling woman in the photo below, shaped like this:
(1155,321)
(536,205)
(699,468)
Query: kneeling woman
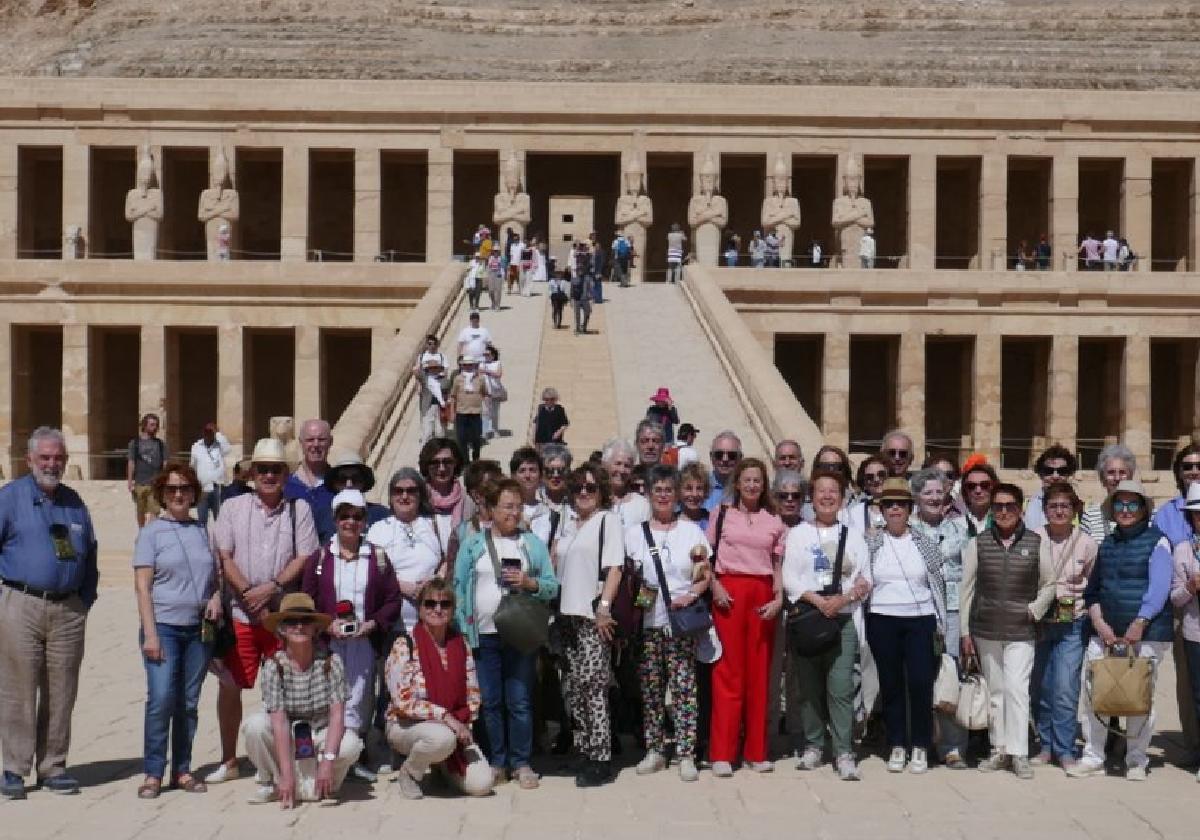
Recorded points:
(435,699)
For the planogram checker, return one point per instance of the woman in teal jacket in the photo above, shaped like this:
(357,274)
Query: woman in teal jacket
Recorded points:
(506,676)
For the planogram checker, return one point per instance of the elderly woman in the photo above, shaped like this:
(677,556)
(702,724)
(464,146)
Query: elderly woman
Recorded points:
(748,538)
(788,490)
(1115,464)
(506,675)
(435,699)
(175,579)
(827,567)
(1058,660)
(1184,588)
(1007,585)
(671,551)
(556,466)
(1173,518)
(907,611)
(619,457)
(865,514)
(299,743)
(409,539)
(931,488)
(441,463)
(694,488)
(1126,598)
(550,421)
(352,580)
(591,541)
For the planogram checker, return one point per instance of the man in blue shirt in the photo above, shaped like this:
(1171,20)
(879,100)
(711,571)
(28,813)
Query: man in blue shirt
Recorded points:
(48,578)
(726,451)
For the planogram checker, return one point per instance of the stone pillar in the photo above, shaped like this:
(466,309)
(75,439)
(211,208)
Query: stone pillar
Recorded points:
(231,406)
(1063,399)
(308,374)
(985,427)
(835,389)
(9,210)
(152,378)
(366,205)
(75,399)
(439,221)
(76,185)
(1135,211)
(910,390)
(1064,214)
(993,213)
(1135,385)
(922,212)
(293,223)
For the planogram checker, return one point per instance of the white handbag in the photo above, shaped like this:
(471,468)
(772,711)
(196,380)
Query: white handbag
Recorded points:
(946,688)
(974,705)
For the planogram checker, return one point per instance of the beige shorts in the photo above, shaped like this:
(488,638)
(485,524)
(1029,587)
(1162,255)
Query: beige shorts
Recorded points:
(144,501)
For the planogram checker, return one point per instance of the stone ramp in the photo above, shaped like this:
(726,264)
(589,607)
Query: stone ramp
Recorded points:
(656,340)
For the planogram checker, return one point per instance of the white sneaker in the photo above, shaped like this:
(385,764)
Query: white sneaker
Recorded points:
(1136,774)
(1085,768)
(687,770)
(811,760)
(223,773)
(920,761)
(897,760)
(761,766)
(847,768)
(995,761)
(262,795)
(722,769)
(652,763)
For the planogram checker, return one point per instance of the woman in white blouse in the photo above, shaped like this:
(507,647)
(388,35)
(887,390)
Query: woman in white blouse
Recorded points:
(668,662)
(619,458)
(588,555)
(409,538)
(824,681)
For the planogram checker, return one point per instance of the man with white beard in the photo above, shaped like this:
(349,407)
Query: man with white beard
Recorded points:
(48,578)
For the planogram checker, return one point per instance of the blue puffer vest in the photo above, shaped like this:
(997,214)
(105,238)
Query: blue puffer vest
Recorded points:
(1123,575)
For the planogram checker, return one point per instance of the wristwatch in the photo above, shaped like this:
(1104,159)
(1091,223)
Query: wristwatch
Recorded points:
(604,605)
(328,756)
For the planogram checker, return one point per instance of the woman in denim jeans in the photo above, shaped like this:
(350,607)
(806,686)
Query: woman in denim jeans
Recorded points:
(506,675)
(1058,658)
(175,578)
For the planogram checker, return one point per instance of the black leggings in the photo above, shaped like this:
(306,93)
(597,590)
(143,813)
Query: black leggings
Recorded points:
(468,428)
(903,652)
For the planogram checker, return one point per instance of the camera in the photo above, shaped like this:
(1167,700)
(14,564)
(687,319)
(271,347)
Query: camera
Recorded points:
(348,628)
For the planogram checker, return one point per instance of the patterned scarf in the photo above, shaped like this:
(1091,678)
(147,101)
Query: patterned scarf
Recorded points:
(449,504)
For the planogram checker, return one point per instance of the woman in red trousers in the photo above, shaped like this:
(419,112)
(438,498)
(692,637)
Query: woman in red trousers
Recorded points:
(747,595)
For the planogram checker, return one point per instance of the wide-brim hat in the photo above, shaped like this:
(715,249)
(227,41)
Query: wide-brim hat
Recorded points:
(661,395)
(1193,497)
(1129,485)
(268,451)
(295,605)
(350,463)
(894,489)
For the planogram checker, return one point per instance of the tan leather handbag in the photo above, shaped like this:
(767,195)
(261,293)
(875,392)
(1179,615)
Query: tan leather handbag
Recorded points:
(1121,685)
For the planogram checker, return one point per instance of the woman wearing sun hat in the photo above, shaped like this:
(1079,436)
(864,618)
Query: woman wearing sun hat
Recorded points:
(298,742)
(662,410)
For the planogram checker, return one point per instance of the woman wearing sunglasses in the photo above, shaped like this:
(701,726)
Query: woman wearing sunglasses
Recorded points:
(441,463)
(352,580)
(435,699)
(408,539)
(1173,518)
(865,514)
(906,613)
(1055,464)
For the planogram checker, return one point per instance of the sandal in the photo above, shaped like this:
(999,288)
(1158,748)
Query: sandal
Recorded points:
(150,788)
(189,784)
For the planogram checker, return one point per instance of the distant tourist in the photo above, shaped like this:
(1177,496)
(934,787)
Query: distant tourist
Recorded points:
(676,243)
(1089,249)
(207,459)
(144,460)
(866,249)
(757,249)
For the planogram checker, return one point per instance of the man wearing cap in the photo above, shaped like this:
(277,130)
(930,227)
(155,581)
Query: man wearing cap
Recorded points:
(208,460)
(263,540)
(348,472)
(48,578)
(685,450)
(473,339)
(466,397)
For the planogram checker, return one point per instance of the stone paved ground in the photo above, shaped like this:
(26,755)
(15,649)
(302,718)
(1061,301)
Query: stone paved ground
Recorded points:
(944,804)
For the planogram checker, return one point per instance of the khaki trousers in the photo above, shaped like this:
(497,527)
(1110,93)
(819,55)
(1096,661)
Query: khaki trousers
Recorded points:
(428,743)
(41,649)
(260,746)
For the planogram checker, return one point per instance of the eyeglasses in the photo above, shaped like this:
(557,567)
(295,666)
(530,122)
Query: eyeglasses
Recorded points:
(789,496)
(357,517)
(978,485)
(1189,466)
(587,487)
(1127,507)
(1060,506)
(438,604)
(442,462)
(405,491)
(875,476)
(177,489)
(269,469)
(663,490)
(297,622)
(726,454)
(555,472)
(1048,470)
(897,453)
(892,503)
(1005,507)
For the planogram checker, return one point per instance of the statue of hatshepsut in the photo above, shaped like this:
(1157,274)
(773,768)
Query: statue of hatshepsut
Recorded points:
(511,207)
(852,214)
(781,210)
(218,205)
(708,213)
(144,208)
(634,214)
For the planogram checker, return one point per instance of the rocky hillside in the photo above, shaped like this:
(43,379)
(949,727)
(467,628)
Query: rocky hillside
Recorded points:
(1107,44)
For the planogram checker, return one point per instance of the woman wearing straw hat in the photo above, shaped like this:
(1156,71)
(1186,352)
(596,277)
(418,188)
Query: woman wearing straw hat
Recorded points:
(298,742)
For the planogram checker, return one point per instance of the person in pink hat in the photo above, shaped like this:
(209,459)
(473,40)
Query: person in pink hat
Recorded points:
(662,411)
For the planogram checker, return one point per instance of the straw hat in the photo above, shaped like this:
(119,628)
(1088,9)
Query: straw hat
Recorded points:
(268,451)
(1129,485)
(296,605)
(896,488)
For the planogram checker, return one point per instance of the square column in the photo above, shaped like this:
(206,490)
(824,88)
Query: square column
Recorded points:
(910,390)
(366,205)
(993,213)
(152,379)
(8,202)
(439,219)
(75,400)
(76,184)
(835,390)
(293,222)
(1136,212)
(1063,398)
(1136,389)
(1064,215)
(231,405)
(922,212)
(308,374)
(985,427)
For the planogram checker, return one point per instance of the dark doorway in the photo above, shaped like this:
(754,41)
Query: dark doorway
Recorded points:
(330,205)
(1028,205)
(873,370)
(260,204)
(597,176)
(814,183)
(801,360)
(669,182)
(476,180)
(743,185)
(1101,407)
(957,216)
(1170,216)
(269,362)
(1024,386)
(185,176)
(949,394)
(39,202)
(1172,396)
(403,205)
(111,177)
(886,184)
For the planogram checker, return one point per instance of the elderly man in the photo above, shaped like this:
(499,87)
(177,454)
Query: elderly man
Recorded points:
(649,441)
(48,579)
(316,439)
(897,452)
(726,451)
(789,456)
(208,460)
(263,540)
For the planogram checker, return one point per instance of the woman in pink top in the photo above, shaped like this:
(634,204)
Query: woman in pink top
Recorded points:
(748,539)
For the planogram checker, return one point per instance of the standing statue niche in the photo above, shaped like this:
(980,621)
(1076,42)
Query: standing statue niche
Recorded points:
(144,208)
(708,213)
(218,206)
(781,210)
(511,207)
(634,214)
(852,214)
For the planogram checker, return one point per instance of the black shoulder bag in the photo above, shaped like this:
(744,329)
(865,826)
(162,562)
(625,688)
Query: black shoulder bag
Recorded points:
(624,610)
(809,631)
(688,622)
